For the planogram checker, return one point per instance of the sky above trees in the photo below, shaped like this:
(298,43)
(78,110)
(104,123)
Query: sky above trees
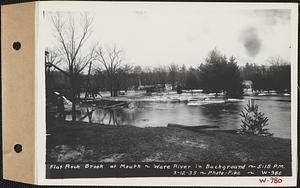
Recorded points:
(153,34)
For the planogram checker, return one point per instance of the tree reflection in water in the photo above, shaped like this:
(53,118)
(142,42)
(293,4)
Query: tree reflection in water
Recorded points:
(225,115)
(102,116)
(218,112)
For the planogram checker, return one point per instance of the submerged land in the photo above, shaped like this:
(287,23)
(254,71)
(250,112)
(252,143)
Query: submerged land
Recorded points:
(91,142)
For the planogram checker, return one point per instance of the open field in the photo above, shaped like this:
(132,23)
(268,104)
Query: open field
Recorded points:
(84,142)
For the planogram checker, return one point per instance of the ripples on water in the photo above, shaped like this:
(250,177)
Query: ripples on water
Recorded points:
(226,115)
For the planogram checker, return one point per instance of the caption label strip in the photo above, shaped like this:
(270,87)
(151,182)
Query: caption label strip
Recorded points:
(160,169)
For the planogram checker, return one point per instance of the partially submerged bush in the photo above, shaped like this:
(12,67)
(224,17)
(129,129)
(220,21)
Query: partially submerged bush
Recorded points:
(253,121)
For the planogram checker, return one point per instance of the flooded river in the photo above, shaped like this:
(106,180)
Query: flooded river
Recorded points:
(225,115)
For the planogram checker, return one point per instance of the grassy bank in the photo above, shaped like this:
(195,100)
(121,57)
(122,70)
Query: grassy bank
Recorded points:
(83,142)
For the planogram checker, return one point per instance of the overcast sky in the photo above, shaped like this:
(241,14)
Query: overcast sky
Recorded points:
(160,34)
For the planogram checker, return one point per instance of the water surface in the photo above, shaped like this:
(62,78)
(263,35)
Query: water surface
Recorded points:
(226,116)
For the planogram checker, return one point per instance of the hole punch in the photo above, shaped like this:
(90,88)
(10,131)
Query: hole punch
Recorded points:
(16,45)
(18,148)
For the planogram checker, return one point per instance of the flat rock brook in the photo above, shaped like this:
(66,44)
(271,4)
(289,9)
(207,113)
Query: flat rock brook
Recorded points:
(225,116)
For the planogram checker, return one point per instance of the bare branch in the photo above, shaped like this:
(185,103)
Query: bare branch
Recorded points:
(56,67)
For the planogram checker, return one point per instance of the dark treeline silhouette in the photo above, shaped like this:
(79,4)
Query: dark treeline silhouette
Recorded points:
(220,74)
(276,76)
(216,74)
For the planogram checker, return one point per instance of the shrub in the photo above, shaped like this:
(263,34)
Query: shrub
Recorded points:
(253,121)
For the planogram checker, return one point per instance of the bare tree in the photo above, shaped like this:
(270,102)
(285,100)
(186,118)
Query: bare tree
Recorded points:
(71,38)
(277,60)
(51,59)
(173,74)
(123,77)
(111,59)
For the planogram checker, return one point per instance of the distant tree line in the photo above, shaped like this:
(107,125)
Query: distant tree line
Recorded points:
(215,75)
(276,76)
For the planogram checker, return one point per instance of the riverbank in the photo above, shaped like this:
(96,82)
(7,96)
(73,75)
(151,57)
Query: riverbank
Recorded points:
(193,99)
(84,142)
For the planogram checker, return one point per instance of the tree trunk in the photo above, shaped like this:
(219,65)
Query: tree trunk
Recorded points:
(73,105)
(73,95)
(115,92)
(111,87)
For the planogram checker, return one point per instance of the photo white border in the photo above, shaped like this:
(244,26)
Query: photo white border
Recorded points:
(40,146)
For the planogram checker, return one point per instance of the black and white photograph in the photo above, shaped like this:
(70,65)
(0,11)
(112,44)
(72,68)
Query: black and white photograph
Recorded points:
(168,90)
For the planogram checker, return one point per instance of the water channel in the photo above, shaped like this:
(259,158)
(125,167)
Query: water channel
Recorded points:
(225,115)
